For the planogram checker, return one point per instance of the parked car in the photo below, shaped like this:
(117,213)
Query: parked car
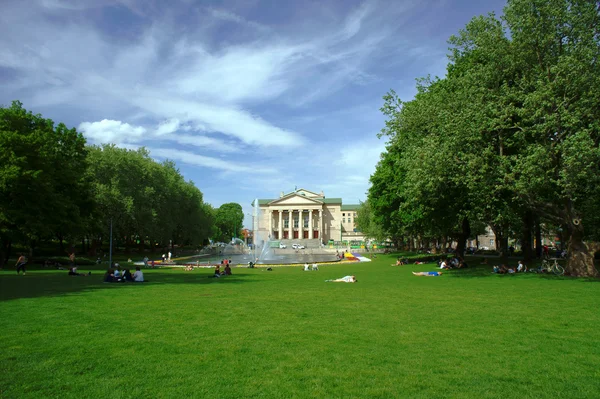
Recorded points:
(297,246)
(282,246)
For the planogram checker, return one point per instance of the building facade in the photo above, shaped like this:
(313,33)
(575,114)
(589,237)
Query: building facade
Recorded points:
(306,215)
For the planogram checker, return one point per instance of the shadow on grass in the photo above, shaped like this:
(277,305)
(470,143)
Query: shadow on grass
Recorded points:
(33,285)
(482,271)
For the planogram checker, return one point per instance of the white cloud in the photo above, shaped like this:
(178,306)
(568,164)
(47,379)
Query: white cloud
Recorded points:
(191,158)
(167,127)
(109,131)
(203,141)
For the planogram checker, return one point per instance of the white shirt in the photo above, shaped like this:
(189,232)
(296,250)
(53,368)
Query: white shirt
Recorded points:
(138,276)
(443,265)
(347,279)
(306,267)
(117,273)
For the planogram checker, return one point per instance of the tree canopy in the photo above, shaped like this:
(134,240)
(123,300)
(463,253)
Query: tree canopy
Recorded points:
(55,187)
(510,134)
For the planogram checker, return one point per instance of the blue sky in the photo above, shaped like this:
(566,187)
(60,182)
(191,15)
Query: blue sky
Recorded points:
(248,97)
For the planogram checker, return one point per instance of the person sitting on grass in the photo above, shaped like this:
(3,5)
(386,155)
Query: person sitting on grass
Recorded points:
(345,279)
(73,272)
(521,268)
(428,274)
(117,272)
(217,271)
(315,267)
(306,268)
(127,275)
(444,265)
(227,270)
(138,276)
(109,276)
(399,262)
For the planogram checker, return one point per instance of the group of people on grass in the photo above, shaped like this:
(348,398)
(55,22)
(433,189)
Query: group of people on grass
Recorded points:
(313,267)
(455,262)
(121,276)
(503,269)
(226,270)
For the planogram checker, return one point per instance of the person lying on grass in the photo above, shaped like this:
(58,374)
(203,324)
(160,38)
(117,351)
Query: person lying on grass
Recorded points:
(73,272)
(345,279)
(428,274)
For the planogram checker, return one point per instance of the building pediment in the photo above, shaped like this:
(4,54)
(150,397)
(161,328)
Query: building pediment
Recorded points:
(295,199)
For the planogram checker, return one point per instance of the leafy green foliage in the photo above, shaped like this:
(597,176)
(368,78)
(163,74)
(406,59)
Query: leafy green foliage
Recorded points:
(228,220)
(53,185)
(512,129)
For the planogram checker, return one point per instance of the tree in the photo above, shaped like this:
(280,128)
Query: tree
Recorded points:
(366,223)
(43,189)
(229,218)
(511,134)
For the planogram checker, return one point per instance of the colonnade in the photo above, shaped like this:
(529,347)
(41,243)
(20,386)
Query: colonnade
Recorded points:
(314,226)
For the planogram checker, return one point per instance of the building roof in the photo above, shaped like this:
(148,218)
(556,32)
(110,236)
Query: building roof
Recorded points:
(330,200)
(350,207)
(323,200)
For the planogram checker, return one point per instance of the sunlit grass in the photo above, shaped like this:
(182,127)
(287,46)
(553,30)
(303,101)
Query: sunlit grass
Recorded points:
(287,333)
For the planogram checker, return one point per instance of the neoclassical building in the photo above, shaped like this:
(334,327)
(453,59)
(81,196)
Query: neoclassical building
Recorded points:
(306,215)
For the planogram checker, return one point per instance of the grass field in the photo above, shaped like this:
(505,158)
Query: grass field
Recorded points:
(288,334)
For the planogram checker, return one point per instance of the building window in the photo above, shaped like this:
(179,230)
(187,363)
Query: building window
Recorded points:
(296,223)
(491,242)
(349,220)
(343,214)
(354,214)
(344,220)
(286,223)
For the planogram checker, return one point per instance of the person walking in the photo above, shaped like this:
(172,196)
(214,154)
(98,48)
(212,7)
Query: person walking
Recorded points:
(21,262)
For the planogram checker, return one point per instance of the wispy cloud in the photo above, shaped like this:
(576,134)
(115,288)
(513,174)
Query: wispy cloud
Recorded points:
(191,158)
(280,96)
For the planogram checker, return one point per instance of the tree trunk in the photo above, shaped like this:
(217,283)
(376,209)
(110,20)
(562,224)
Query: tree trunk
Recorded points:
(501,239)
(61,243)
(93,247)
(8,251)
(464,236)
(526,244)
(31,248)
(538,237)
(4,251)
(142,245)
(581,261)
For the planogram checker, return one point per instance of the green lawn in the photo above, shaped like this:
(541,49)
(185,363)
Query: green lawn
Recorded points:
(287,333)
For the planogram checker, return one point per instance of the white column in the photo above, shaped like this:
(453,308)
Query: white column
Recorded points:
(270,224)
(321,224)
(310,224)
(280,225)
(301,224)
(291,224)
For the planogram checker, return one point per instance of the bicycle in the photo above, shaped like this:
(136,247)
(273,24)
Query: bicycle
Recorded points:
(551,266)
